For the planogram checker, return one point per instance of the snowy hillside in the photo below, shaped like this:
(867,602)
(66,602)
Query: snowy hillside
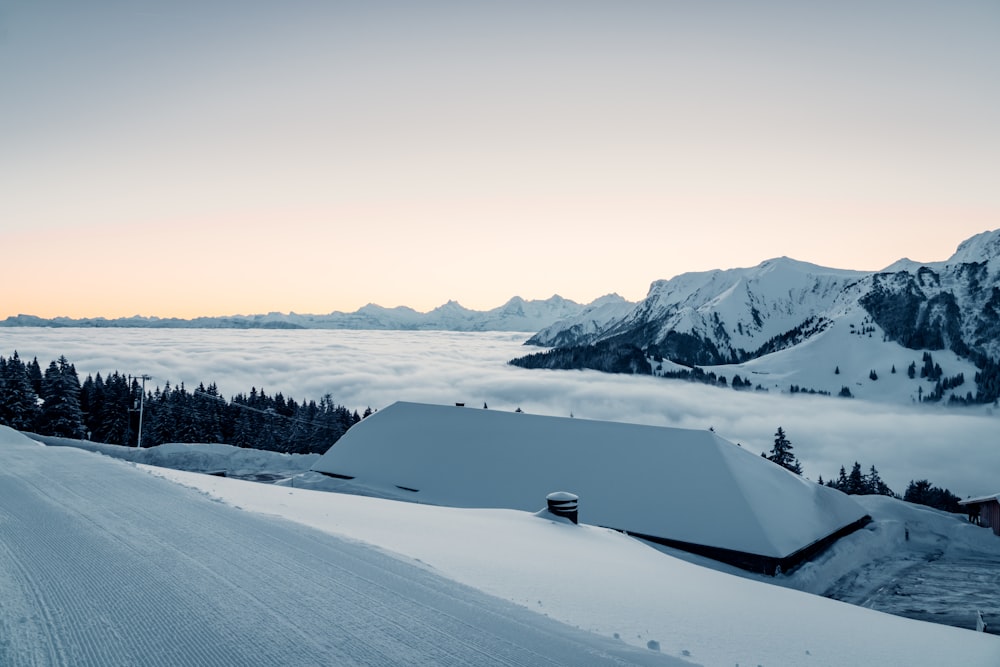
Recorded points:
(852,353)
(108,563)
(735,311)
(105,565)
(516,315)
(768,320)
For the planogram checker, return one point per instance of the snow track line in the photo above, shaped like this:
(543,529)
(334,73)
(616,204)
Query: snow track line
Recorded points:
(23,582)
(423,611)
(102,564)
(459,629)
(318,571)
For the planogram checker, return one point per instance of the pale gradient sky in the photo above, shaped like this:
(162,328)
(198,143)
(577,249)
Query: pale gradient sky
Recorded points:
(211,158)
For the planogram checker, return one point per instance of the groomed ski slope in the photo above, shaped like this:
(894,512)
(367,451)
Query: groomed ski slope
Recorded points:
(103,564)
(615,586)
(198,581)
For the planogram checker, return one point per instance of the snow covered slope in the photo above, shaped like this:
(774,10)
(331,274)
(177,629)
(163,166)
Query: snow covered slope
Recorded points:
(104,565)
(612,585)
(198,457)
(733,312)
(852,353)
(673,484)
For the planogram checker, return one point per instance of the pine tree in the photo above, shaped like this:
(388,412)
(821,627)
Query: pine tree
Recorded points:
(875,484)
(113,424)
(61,414)
(923,493)
(781,453)
(855,481)
(35,375)
(18,400)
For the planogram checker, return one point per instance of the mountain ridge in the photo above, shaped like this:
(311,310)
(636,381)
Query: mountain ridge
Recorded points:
(730,318)
(516,314)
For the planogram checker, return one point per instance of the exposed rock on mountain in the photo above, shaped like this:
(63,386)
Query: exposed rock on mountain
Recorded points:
(728,317)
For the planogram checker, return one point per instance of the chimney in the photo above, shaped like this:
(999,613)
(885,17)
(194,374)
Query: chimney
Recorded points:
(564,504)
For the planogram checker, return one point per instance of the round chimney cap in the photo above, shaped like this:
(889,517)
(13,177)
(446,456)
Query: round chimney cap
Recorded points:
(562,496)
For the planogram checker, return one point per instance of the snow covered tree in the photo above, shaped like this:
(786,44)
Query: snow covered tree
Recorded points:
(61,414)
(781,453)
(18,400)
(855,481)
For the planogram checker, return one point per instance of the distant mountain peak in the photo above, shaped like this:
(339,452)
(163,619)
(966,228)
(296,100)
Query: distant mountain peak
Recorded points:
(517,314)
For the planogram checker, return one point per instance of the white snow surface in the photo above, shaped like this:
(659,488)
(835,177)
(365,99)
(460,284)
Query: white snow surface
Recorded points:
(610,584)
(843,356)
(200,457)
(681,484)
(898,528)
(104,565)
(601,581)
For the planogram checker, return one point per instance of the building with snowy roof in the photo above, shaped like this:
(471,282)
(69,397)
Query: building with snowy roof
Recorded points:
(985,511)
(682,488)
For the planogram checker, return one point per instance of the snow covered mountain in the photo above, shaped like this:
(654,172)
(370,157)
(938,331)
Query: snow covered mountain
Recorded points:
(731,317)
(590,321)
(516,315)
(717,316)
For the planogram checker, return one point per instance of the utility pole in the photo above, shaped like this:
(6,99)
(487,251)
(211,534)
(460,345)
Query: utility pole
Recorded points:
(142,400)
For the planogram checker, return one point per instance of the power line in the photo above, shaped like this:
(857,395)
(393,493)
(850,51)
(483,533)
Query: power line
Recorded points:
(270,412)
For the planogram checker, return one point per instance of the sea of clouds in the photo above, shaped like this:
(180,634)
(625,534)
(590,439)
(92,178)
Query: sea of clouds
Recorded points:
(952,447)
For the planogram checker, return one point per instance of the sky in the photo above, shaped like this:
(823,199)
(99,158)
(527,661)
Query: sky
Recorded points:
(362,369)
(213,158)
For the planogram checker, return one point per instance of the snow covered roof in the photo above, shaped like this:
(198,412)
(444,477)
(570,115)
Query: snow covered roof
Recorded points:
(677,485)
(980,499)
